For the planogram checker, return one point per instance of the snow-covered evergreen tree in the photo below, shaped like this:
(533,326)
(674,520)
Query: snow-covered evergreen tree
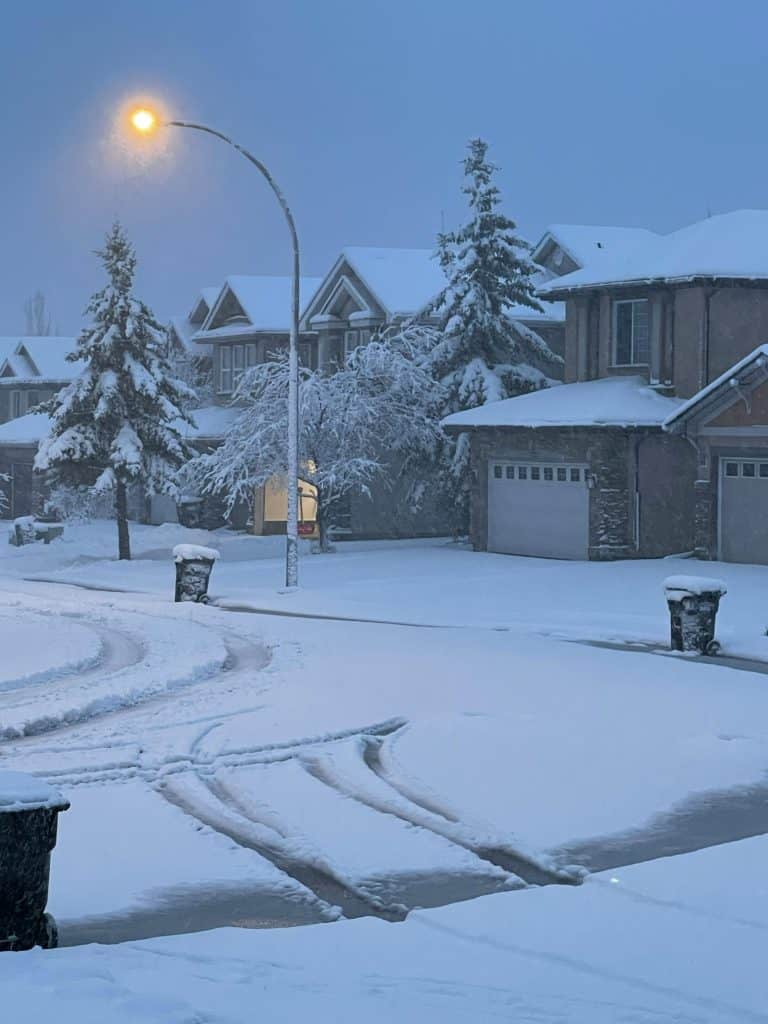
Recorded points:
(479,350)
(117,423)
(379,404)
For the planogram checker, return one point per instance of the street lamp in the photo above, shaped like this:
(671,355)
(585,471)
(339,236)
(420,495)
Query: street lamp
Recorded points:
(145,121)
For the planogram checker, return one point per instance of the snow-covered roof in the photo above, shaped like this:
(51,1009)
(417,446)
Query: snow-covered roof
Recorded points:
(730,245)
(613,401)
(586,242)
(265,300)
(403,280)
(758,356)
(29,429)
(44,358)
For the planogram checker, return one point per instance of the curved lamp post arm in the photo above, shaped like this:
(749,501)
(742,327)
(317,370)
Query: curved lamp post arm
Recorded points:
(292,527)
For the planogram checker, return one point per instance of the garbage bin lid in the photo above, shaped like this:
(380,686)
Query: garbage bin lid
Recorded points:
(694,585)
(194,552)
(22,792)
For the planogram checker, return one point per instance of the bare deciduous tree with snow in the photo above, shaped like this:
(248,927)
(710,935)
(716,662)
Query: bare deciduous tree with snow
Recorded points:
(118,421)
(378,406)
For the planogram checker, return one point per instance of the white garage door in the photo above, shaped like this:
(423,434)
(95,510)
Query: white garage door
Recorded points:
(538,509)
(744,510)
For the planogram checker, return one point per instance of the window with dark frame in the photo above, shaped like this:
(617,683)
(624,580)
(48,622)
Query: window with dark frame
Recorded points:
(748,469)
(631,333)
(238,365)
(510,472)
(225,370)
(497,472)
(731,469)
(522,473)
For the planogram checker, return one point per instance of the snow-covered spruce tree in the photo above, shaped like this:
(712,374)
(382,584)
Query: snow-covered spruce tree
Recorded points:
(479,350)
(117,423)
(378,404)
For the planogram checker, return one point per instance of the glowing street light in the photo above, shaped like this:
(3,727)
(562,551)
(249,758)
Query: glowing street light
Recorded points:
(145,121)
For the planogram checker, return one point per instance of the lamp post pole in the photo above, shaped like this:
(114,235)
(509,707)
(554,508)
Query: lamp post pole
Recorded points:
(292,525)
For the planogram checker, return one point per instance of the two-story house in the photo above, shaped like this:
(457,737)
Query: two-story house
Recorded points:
(367,291)
(658,441)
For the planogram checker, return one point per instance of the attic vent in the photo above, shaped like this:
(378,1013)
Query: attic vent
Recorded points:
(238,318)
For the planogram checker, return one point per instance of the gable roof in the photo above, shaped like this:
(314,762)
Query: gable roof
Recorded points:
(612,401)
(265,300)
(404,281)
(586,242)
(730,246)
(38,358)
(747,372)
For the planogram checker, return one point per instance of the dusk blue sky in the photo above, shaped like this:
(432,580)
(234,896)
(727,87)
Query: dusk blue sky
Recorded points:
(599,111)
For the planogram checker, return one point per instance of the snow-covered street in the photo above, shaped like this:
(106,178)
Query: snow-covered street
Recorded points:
(233,768)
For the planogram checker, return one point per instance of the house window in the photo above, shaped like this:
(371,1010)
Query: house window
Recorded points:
(238,365)
(731,469)
(497,472)
(748,469)
(250,356)
(631,334)
(561,474)
(365,336)
(764,469)
(350,342)
(15,404)
(522,473)
(575,475)
(33,399)
(510,472)
(225,370)
(535,473)
(547,472)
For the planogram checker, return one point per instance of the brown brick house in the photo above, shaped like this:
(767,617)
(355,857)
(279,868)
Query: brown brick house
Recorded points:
(677,321)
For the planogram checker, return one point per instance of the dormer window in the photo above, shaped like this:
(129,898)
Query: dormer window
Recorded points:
(631,333)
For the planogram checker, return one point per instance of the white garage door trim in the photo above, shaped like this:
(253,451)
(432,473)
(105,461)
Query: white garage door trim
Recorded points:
(538,509)
(754,473)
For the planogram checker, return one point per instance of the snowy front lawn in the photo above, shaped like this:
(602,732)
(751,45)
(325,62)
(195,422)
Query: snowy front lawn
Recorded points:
(677,940)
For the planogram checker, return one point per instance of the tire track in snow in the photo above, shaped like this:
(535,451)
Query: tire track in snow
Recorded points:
(516,863)
(212,805)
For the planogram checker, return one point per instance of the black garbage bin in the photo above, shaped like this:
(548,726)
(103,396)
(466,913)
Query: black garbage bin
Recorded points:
(693,603)
(193,571)
(29,810)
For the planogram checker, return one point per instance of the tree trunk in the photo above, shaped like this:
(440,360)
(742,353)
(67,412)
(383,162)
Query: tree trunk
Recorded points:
(121,514)
(324,543)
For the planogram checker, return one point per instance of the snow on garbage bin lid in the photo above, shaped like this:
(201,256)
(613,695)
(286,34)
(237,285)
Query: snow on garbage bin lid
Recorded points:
(21,792)
(694,585)
(192,552)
